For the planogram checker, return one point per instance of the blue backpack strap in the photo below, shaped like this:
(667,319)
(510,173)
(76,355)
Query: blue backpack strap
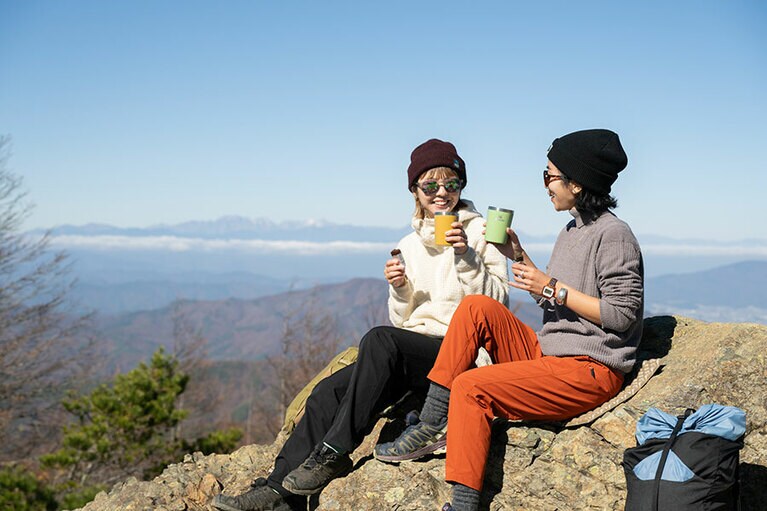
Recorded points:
(666,449)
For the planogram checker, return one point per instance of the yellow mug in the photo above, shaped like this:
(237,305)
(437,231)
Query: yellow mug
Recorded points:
(443,222)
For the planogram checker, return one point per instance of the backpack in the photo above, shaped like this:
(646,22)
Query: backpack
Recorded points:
(688,462)
(296,407)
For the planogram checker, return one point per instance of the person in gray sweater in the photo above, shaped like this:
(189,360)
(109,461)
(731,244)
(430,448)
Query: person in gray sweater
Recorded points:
(592,295)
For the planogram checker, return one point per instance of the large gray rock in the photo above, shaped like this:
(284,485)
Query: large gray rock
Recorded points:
(531,466)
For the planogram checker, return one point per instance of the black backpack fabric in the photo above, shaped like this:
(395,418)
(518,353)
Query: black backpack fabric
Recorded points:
(686,463)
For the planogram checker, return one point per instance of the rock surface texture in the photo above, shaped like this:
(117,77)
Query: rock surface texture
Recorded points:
(531,466)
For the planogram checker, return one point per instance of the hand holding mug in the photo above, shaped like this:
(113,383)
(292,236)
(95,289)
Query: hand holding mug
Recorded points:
(512,249)
(456,237)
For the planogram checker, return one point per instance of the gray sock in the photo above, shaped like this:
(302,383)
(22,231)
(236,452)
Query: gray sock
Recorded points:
(435,408)
(465,498)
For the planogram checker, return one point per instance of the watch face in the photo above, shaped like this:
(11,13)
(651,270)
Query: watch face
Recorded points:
(550,289)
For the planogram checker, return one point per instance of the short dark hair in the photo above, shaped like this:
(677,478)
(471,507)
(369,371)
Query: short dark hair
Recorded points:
(592,204)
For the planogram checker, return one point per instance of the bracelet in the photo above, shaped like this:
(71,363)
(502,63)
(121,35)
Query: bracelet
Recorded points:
(519,258)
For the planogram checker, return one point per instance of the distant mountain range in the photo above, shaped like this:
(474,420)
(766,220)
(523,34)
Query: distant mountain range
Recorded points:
(237,227)
(155,291)
(252,329)
(731,293)
(244,329)
(122,270)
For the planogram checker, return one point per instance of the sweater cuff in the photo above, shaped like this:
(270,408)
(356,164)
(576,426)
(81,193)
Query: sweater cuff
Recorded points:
(467,261)
(401,294)
(539,299)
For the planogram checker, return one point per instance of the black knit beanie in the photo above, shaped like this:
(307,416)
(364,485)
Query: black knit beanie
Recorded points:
(432,154)
(592,158)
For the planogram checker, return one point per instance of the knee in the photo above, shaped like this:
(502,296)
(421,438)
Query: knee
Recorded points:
(475,307)
(461,385)
(464,390)
(378,341)
(478,302)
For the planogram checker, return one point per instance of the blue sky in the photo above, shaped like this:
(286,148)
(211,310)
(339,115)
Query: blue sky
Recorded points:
(145,112)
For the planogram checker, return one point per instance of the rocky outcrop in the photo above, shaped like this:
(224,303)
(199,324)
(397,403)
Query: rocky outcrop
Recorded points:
(531,466)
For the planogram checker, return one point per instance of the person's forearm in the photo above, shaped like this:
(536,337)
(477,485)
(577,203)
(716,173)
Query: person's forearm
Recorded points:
(529,278)
(580,303)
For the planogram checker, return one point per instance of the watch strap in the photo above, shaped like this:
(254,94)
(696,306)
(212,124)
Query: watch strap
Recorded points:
(550,289)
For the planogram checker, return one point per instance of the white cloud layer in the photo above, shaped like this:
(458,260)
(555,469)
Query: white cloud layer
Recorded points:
(295,247)
(705,250)
(177,244)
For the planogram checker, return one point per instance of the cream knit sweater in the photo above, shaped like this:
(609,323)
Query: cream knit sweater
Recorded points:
(438,279)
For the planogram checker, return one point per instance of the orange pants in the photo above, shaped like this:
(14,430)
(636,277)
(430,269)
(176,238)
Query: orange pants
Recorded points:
(522,383)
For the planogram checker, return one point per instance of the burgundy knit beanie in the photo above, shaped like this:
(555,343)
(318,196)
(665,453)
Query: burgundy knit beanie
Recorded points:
(592,158)
(432,154)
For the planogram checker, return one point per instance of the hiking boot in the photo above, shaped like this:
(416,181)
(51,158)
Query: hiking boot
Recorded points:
(416,441)
(322,466)
(260,497)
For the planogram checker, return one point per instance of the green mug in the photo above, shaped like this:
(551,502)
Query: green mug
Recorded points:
(498,219)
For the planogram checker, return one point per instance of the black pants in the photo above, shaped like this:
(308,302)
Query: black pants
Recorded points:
(390,362)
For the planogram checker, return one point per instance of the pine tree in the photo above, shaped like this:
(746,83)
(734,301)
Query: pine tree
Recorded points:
(128,428)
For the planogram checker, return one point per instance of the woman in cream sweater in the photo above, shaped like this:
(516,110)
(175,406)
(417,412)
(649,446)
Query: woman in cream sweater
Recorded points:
(426,283)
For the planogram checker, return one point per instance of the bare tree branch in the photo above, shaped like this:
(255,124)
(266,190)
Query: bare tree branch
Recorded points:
(42,343)
(309,341)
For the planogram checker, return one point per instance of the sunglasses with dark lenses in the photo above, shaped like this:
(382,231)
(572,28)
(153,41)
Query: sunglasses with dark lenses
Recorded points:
(432,187)
(548,178)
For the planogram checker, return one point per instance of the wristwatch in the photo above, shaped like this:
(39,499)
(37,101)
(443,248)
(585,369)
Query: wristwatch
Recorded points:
(549,289)
(561,296)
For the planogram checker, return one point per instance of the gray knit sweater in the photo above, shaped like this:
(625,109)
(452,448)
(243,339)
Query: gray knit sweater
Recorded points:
(600,258)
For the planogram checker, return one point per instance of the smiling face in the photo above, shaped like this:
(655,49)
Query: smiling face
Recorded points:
(442,200)
(562,191)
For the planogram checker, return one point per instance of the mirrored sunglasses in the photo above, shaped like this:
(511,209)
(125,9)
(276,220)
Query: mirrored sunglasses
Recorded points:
(432,187)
